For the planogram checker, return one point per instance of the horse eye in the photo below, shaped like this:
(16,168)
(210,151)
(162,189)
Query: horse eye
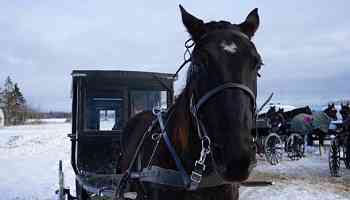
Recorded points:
(258,63)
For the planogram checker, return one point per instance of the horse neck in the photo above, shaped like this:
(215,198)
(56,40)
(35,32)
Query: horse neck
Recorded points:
(182,129)
(344,113)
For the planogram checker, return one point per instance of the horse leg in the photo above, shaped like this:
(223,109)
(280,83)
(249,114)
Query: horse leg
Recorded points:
(323,135)
(310,141)
(320,140)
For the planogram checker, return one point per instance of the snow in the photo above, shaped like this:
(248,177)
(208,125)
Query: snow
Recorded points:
(29,157)
(47,121)
(285,107)
(305,179)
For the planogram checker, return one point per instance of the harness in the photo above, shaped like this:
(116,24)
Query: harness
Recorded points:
(179,178)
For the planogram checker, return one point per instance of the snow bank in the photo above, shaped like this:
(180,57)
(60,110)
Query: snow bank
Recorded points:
(278,106)
(46,121)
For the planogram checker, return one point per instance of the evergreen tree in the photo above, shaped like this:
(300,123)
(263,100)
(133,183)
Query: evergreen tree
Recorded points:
(8,101)
(1,98)
(14,103)
(20,107)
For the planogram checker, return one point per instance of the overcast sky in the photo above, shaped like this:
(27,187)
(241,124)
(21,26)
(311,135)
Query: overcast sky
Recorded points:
(305,45)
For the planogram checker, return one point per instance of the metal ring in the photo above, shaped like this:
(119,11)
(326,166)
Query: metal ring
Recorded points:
(189,43)
(205,146)
(156,110)
(155,136)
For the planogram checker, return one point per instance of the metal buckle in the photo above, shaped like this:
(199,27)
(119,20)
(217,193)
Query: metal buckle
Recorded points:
(197,172)
(195,177)
(199,166)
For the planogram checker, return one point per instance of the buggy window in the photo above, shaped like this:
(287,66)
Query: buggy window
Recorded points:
(104,114)
(146,100)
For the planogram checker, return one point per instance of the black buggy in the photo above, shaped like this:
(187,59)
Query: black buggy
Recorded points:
(268,142)
(340,147)
(102,102)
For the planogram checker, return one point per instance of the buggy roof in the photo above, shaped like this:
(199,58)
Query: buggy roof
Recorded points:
(122,74)
(129,79)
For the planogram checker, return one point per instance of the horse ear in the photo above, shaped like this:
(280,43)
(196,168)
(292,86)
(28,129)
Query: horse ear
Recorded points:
(194,26)
(251,24)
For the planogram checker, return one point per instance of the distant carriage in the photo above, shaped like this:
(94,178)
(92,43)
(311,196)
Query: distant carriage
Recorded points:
(274,134)
(268,143)
(340,148)
(340,142)
(304,127)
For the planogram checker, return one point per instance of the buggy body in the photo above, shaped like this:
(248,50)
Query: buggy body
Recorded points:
(102,103)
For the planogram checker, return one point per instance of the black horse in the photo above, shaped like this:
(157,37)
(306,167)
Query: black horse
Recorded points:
(269,112)
(278,121)
(331,111)
(320,132)
(345,111)
(221,83)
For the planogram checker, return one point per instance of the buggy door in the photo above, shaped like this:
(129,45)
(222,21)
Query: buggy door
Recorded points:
(102,116)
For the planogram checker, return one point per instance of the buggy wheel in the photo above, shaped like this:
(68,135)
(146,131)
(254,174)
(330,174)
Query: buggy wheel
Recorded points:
(295,146)
(334,158)
(273,149)
(347,156)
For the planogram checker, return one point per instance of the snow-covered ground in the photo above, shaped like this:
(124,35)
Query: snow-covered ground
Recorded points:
(305,179)
(29,157)
(29,160)
(46,121)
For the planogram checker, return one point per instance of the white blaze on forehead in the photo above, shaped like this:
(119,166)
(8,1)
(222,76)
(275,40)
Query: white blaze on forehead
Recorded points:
(229,47)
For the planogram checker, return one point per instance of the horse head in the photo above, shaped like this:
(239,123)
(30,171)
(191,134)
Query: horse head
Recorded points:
(271,110)
(345,110)
(222,83)
(331,111)
(280,110)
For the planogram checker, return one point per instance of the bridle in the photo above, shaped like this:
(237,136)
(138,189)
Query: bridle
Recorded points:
(197,104)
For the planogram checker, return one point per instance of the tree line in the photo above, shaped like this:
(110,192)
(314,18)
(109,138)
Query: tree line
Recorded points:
(17,110)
